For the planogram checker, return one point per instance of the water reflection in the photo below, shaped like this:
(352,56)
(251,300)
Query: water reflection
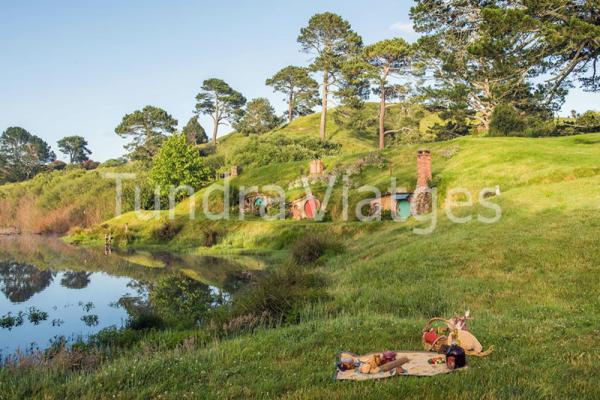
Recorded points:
(75,280)
(52,289)
(19,282)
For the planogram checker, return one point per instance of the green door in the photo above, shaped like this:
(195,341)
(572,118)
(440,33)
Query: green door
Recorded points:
(404,209)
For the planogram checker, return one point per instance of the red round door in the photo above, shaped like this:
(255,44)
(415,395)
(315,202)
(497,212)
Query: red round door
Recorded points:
(310,208)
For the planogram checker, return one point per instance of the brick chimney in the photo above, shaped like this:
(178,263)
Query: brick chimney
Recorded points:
(316,167)
(423,168)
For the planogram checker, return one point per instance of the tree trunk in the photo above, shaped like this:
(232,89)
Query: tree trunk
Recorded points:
(214,133)
(323,126)
(382,118)
(291,107)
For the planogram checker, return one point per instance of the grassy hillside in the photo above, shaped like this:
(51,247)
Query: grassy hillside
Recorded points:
(530,281)
(514,164)
(60,200)
(54,202)
(352,142)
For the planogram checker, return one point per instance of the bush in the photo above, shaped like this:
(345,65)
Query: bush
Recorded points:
(56,165)
(214,163)
(89,165)
(587,122)
(211,237)
(167,231)
(276,297)
(308,249)
(280,148)
(178,164)
(145,321)
(114,162)
(506,121)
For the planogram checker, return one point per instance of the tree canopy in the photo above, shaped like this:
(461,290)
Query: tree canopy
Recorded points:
(178,164)
(480,54)
(570,31)
(332,41)
(386,59)
(301,91)
(22,154)
(148,128)
(74,147)
(221,102)
(194,132)
(259,117)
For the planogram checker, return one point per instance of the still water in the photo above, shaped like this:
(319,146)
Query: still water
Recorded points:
(49,289)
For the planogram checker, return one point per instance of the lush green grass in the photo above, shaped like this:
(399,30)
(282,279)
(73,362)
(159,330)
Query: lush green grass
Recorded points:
(56,201)
(530,281)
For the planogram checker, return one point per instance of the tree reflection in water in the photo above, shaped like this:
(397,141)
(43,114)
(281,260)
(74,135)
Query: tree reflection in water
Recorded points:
(75,280)
(19,282)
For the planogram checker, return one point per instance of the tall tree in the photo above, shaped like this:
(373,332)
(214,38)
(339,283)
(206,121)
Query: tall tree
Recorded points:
(331,40)
(219,101)
(194,132)
(570,31)
(258,118)
(302,91)
(486,49)
(148,128)
(387,59)
(75,147)
(22,154)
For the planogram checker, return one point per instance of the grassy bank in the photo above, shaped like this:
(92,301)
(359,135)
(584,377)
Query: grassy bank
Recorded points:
(54,202)
(530,281)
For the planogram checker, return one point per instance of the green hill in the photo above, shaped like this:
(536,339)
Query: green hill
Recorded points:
(61,200)
(352,142)
(530,281)
(54,202)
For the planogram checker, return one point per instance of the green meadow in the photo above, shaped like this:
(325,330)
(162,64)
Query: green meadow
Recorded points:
(529,280)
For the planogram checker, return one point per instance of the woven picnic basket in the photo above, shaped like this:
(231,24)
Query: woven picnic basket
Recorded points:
(442,328)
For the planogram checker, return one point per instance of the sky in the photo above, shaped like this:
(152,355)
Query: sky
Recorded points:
(76,67)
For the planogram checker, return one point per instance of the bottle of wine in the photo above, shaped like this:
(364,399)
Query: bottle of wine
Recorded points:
(455,356)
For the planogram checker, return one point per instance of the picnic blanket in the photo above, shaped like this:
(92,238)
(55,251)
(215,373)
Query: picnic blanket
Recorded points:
(417,365)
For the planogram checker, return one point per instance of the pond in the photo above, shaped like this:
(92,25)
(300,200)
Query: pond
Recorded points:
(49,289)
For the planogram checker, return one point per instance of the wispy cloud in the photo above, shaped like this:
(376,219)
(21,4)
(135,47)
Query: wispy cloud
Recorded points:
(405,27)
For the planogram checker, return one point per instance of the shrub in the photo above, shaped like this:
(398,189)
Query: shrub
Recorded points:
(211,237)
(280,148)
(114,162)
(589,121)
(308,249)
(449,130)
(178,164)
(506,121)
(56,165)
(89,165)
(214,163)
(167,231)
(276,297)
(145,321)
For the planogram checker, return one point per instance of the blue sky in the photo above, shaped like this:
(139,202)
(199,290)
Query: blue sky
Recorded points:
(76,67)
